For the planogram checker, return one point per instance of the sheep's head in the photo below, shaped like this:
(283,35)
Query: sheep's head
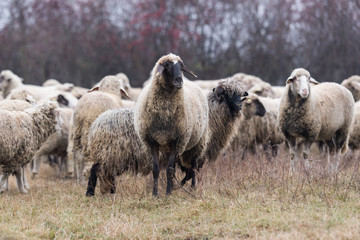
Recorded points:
(111,84)
(171,67)
(6,76)
(263,89)
(253,107)
(231,93)
(300,80)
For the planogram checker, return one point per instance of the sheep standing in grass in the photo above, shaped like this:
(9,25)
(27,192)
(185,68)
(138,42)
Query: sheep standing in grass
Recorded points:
(89,107)
(171,115)
(225,103)
(322,112)
(55,145)
(22,134)
(116,148)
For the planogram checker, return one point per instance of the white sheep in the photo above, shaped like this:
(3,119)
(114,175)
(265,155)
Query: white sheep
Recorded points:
(261,126)
(22,134)
(353,84)
(322,112)
(131,91)
(104,97)
(171,115)
(56,145)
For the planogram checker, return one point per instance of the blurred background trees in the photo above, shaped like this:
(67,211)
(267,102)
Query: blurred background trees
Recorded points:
(81,41)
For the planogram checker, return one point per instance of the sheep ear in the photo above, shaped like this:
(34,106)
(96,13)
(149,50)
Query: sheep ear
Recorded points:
(124,93)
(159,70)
(187,70)
(355,85)
(290,79)
(96,88)
(62,100)
(245,94)
(313,81)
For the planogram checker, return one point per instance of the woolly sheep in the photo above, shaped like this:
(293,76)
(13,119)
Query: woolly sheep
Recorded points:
(225,103)
(353,85)
(22,134)
(260,129)
(55,145)
(263,89)
(171,115)
(354,135)
(104,97)
(10,82)
(124,150)
(245,137)
(322,112)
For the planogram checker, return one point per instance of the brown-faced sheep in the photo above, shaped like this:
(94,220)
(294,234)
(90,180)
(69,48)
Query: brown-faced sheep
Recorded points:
(322,112)
(171,115)
(104,97)
(22,134)
(353,85)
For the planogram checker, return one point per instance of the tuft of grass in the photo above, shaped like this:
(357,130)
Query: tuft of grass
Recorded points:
(254,198)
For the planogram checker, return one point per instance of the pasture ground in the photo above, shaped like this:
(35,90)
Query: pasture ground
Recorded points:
(235,199)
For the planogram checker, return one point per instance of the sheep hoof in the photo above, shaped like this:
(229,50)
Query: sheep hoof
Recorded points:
(24,191)
(33,175)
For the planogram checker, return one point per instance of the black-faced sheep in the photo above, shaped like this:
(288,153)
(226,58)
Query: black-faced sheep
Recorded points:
(171,115)
(22,134)
(321,112)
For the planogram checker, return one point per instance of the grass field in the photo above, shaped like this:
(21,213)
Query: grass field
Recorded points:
(250,199)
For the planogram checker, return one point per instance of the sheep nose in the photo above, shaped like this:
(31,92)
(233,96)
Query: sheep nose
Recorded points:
(304,91)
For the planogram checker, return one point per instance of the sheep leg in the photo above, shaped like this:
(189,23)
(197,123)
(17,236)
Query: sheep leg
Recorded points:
(90,191)
(26,184)
(4,183)
(80,165)
(306,154)
(170,170)
(20,181)
(156,170)
(293,156)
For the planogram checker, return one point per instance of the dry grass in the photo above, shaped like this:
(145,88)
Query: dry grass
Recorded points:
(250,199)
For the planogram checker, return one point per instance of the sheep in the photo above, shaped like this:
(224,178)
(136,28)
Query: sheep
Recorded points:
(260,129)
(322,112)
(353,84)
(131,91)
(246,135)
(264,90)
(104,97)
(115,148)
(171,115)
(225,103)
(10,82)
(354,135)
(22,134)
(55,145)
(124,150)
(14,105)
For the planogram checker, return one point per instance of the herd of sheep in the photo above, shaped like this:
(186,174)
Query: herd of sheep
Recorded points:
(171,122)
